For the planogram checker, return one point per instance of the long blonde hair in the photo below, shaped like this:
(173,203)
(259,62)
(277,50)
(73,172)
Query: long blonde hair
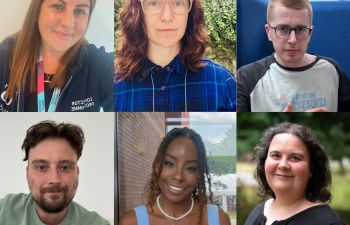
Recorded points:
(24,55)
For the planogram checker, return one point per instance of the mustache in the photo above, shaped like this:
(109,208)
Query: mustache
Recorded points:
(54,188)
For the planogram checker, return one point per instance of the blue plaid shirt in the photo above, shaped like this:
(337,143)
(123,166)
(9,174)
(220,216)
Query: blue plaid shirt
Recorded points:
(174,89)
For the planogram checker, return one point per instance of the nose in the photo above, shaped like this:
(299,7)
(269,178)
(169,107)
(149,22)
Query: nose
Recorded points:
(283,164)
(167,13)
(292,37)
(68,19)
(54,176)
(178,174)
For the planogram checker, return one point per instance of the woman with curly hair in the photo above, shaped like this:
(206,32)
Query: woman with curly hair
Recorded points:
(293,170)
(176,193)
(159,60)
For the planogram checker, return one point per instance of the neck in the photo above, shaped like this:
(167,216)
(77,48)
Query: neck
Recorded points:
(306,60)
(162,56)
(289,202)
(51,61)
(51,218)
(175,209)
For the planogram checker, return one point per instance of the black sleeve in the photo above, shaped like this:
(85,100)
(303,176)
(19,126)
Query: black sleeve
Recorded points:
(343,89)
(247,78)
(256,216)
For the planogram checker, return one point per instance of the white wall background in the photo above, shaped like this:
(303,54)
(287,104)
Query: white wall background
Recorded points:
(100,31)
(96,180)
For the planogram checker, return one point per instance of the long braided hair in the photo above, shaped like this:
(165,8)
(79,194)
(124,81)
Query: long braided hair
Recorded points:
(152,189)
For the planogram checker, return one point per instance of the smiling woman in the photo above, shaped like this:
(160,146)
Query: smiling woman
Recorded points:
(178,188)
(292,169)
(49,66)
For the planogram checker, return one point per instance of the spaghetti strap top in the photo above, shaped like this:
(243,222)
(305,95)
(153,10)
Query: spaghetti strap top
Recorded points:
(142,215)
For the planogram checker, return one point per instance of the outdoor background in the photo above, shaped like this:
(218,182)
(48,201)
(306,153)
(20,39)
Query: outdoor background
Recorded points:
(331,129)
(138,138)
(220,19)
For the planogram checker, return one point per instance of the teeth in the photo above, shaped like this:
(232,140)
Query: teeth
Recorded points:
(175,188)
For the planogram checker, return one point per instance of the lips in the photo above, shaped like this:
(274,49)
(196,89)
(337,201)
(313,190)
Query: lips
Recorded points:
(63,35)
(166,30)
(283,175)
(175,189)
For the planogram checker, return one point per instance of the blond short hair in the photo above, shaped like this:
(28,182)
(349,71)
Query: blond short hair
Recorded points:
(291,4)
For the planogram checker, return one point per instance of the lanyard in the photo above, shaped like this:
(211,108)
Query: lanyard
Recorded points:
(41,91)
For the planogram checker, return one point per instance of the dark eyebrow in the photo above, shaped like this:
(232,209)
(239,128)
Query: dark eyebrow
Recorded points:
(174,158)
(36,161)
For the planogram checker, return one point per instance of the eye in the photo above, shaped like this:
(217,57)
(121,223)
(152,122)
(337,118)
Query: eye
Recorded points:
(179,3)
(153,3)
(168,164)
(295,158)
(66,168)
(41,168)
(191,169)
(274,155)
(283,28)
(80,12)
(58,7)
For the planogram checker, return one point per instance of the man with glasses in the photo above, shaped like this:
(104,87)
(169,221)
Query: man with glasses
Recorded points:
(291,79)
(159,60)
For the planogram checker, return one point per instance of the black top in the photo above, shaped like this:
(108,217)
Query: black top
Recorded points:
(316,215)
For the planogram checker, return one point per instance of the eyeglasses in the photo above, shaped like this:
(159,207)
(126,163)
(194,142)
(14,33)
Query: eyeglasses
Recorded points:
(284,31)
(154,7)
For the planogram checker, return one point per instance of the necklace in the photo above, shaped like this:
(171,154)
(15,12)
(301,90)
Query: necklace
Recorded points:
(171,217)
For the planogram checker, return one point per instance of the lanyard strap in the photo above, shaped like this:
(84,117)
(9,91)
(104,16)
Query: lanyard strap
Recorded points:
(41,91)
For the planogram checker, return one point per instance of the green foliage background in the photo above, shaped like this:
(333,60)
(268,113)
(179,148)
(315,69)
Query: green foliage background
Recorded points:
(220,20)
(220,165)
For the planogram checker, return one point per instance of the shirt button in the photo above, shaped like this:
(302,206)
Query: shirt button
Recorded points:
(163,88)
(167,68)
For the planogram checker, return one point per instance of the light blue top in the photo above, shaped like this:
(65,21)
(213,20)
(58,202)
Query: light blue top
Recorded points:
(142,215)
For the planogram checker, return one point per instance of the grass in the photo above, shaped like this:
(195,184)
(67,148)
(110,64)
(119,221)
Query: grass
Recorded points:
(247,199)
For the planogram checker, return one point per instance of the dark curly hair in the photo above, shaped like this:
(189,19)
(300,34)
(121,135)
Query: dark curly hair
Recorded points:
(132,41)
(49,129)
(199,195)
(320,181)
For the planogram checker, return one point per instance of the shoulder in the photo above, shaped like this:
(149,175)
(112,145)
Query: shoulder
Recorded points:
(8,43)
(322,214)
(97,55)
(82,214)
(223,217)
(257,212)
(257,68)
(129,218)
(331,62)
(15,204)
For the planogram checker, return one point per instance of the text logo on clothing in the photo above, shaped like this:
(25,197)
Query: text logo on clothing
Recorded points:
(80,105)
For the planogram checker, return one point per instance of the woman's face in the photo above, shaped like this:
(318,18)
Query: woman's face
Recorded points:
(62,23)
(165,29)
(179,174)
(287,165)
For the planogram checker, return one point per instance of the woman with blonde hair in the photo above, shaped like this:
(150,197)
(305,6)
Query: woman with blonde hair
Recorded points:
(49,66)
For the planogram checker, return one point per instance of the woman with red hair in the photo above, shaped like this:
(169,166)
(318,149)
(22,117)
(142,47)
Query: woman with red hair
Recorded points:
(159,60)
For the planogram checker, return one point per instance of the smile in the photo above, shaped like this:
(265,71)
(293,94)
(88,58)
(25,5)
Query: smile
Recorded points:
(166,30)
(175,189)
(284,176)
(63,35)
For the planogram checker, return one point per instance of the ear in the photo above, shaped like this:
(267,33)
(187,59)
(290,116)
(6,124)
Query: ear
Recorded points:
(267,30)
(311,32)
(78,170)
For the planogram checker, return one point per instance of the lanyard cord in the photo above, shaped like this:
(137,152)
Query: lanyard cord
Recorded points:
(41,91)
